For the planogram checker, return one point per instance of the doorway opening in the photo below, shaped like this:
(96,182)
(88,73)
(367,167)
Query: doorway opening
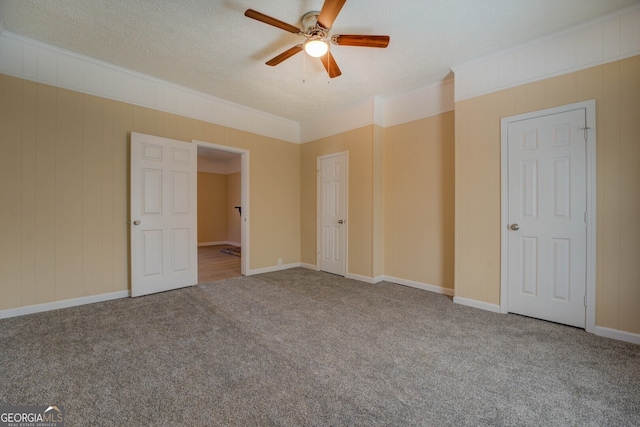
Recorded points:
(223,244)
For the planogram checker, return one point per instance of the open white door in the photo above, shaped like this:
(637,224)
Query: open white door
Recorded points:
(164,247)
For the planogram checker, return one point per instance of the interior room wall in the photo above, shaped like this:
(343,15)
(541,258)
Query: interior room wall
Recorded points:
(401,182)
(64,187)
(213,209)
(616,88)
(359,144)
(419,200)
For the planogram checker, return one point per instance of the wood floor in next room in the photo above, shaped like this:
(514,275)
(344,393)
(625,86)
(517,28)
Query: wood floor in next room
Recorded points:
(214,265)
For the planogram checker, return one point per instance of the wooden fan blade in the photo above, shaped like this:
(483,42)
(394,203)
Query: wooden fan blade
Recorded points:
(359,40)
(330,10)
(258,16)
(330,65)
(285,55)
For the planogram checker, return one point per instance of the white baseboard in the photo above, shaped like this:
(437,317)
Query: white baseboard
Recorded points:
(477,304)
(55,305)
(218,243)
(616,334)
(274,268)
(309,266)
(360,278)
(419,285)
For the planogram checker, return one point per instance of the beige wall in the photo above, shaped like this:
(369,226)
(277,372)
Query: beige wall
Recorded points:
(359,144)
(218,219)
(616,89)
(419,200)
(401,182)
(64,190)
(213,209)
(234,198)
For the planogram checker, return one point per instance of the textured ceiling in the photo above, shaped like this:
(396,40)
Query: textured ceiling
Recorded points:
(210,46)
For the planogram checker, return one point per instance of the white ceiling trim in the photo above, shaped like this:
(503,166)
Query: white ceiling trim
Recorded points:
(340,121)
(35,61)
(31,60)
(419,104)
(607,39)
(415,105)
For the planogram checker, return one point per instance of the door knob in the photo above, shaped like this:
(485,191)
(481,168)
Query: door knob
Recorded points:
(136,222)
(515,227)
(340,221)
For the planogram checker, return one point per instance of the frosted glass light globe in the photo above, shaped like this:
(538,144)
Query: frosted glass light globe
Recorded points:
(316,47)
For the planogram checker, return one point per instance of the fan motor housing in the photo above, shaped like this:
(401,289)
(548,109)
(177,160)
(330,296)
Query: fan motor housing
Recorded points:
(311,27)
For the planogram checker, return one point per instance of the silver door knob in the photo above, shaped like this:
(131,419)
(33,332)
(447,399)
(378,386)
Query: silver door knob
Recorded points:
(136,222)
(340,221)
(515,227)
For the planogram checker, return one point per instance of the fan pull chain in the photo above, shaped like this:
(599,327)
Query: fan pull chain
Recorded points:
(304,67)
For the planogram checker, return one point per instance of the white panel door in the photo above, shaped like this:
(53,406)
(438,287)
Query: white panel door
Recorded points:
(547,193)
(332,213)
(163,214)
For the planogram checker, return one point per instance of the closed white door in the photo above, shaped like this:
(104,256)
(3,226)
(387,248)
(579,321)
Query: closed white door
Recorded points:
(163,214)
(547,205)
(332,213)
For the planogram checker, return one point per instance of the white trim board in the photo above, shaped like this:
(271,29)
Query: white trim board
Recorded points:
(606,39)
(36,61)
(609,38)
(360,278)
(418,104)
(55,305)
(32,60)
(274,268)
(600,331)
(494,308)
(615,334)
(218,243)
(418,285)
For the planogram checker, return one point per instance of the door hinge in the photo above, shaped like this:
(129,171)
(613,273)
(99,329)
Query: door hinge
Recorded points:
(585,300)
(586,217)
(586,130)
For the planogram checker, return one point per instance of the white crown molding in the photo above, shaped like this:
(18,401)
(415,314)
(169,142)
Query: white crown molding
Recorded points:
(606,39)
(340,121)
(609,38)
(35,61)
(419,104)
(32,60)
(415,105)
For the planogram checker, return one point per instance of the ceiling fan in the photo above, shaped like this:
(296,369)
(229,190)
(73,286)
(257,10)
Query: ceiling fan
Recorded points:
(316,27)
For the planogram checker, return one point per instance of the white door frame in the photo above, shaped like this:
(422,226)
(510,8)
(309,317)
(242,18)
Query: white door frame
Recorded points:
(244,199)
(590,109)
(346,210)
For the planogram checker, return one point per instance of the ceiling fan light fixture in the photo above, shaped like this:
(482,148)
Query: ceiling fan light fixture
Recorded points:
(316,47)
